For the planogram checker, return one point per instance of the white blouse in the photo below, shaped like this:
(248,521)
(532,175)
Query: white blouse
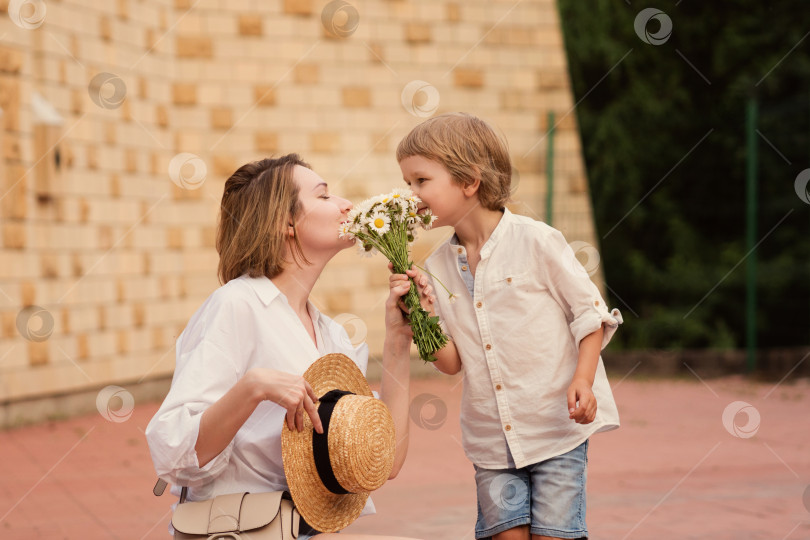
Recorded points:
(247,323)
(518,339)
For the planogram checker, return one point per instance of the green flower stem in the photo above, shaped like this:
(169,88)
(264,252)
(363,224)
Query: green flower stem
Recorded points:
(428,336)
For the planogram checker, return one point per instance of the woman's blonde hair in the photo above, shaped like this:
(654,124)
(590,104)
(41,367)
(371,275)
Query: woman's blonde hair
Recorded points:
(468,148)
(258,205)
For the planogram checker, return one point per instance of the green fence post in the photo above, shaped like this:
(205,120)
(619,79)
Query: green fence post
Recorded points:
(750,236)
(550,169)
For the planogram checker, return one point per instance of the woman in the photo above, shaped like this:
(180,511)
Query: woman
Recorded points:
(242,354)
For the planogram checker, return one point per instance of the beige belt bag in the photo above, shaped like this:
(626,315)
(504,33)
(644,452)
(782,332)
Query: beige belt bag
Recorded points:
(238,516)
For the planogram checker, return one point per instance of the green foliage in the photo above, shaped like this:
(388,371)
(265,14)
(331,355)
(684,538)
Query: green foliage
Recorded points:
(670,210)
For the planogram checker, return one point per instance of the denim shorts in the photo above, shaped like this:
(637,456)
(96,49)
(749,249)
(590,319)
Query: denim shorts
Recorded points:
(548,496)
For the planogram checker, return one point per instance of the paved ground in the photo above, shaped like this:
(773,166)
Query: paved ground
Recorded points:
(672,471)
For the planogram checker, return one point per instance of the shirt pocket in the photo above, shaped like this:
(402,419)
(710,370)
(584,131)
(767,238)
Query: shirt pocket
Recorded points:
(516,280)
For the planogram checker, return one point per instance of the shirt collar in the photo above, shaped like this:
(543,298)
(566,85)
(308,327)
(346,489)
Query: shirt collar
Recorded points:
(265,289)
(494,238)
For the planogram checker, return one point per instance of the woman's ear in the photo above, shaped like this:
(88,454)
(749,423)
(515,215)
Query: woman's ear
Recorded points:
(291,230)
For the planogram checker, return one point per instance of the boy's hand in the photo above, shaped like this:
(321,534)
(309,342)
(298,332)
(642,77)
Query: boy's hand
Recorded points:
(585,412)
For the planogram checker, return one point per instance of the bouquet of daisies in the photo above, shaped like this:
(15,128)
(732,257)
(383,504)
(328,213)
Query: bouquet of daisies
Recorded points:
(387,224)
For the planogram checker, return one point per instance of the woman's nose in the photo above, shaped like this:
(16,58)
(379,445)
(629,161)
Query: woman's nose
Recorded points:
(345,205)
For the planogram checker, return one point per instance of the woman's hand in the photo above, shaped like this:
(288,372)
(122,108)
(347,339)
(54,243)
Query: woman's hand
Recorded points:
(290,391)
(425,290)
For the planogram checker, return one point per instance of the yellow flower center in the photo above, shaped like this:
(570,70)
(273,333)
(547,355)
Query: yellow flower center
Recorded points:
(379,222)
(385,200)
(396,195)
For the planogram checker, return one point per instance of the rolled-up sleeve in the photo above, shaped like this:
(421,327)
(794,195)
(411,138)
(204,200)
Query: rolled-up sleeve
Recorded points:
(205,370)
(573,289)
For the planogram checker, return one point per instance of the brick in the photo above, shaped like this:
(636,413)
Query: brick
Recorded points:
(174,238)
(161,116)
(324,142)
(453,12)
(417,33)
(468,77)
(250,25)
(224,165)
(8,324)
(82,347)
(356,97)
(550,80)
(306,74)
(65,323)
(264,95)
(77,101)
(221,118)
(183,4)
(184,94)
(376,53)
(194,47)
(10,60)
(115,186)
(131,160)
(143,88)
(105,28)
(102,318)
(13,235)
(123,9)
(49,266)
(38,353)
(138,315)
(298,7)
(266,143)
(122,342)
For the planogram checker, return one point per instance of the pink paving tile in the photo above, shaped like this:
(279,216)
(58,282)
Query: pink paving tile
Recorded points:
(672,471)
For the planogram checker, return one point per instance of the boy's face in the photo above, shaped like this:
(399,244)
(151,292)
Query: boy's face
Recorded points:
(433,183)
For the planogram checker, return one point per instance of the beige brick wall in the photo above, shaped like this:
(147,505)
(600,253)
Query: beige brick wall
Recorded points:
(94,231)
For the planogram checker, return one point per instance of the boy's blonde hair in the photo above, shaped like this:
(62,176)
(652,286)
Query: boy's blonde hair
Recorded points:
(469,148)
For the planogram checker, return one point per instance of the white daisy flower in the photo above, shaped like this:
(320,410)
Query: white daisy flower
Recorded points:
(367,250)
(346,230)
(380,223)
(428,219)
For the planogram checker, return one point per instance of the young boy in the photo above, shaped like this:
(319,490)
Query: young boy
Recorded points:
(527,327)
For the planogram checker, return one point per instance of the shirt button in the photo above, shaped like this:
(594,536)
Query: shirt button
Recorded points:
(596,302)
(488,346)
(508,427)
(464,268)
(460,250)
(509,280)
(497,387)
(479,304)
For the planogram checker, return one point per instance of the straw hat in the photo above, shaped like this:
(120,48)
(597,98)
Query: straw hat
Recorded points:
(359,446)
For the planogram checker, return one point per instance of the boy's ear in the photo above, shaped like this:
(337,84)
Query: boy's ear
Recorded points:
(473,183)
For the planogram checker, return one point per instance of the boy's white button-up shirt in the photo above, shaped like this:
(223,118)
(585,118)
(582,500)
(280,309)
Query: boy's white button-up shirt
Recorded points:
(518,339)
(247,323)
